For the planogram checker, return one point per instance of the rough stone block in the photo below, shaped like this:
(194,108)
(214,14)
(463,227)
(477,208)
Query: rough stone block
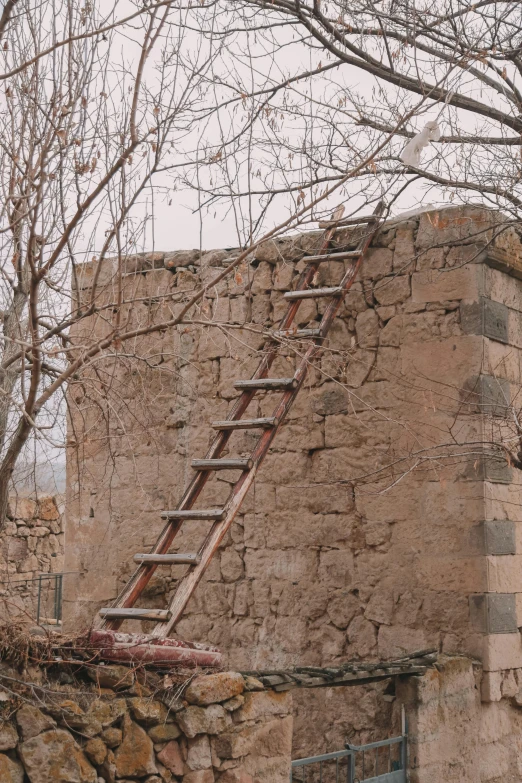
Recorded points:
(11,771)
(485,317)
(8,736)
(504,573)
(502,651)
(377,263)
(490,687)
(367,328)
(451,225)
(493,469)
(493,613)
(198,756)
(448,285)
(392,290)
(54,755)
(487,395)
(203,720)
(260,705)
(214,688)
(148,711)
(395,641)
(499,537)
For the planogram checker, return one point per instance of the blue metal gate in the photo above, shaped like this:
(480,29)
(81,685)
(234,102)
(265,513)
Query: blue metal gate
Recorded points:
(377,762)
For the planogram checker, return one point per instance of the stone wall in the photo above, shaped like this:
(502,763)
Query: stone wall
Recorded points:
(31,543)
(453,736)
(385,519)
(222,728)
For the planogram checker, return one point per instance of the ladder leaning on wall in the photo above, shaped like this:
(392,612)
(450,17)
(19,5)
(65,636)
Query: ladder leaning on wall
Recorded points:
(157,647)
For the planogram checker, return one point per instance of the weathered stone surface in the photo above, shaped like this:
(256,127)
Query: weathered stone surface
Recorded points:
(231,565)
(8,736)
(32,721)
(22,508)
(118,677)
(391,290)
(108,712)
(164,732)
(181,258)
(135,756)
(362,636)
(149,711)
(377,263)
(70,715)
(54,756)
(112,737)
(203,720)
(261,705)
(214,688)
(331,399)
(47,509)
(367,328)
(170,756)
(96,751)
(454,224)
(395,641)
(271,739)
(343,605)
(201,776)
(404,252)
(234,704)
(198,755)
(237,775)
(11,771)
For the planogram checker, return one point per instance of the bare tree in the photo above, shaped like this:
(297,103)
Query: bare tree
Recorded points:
(258,107)
(83,135)
(314,87)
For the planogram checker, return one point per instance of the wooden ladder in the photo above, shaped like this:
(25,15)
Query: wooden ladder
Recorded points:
(220,519)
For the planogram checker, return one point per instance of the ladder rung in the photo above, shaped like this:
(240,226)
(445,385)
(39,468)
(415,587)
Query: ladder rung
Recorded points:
(211,513)
(246,424)
(162,615)
(313,293)
(168,559)
(297,333)
(222,464)
(267,383)
(332,256)
(353,221)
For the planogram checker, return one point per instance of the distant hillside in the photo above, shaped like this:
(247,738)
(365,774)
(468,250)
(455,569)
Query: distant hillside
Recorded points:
(48,477)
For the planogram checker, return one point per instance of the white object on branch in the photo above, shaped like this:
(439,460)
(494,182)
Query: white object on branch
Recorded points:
(411,153)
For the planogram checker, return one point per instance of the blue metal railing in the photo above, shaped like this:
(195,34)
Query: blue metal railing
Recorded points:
(356,764)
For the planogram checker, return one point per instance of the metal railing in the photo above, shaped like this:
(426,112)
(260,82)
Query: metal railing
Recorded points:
(49,606)
(356,764)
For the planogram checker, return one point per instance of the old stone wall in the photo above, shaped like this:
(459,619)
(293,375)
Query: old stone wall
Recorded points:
(386,517)
(31,543)
(453,736)
(223,728)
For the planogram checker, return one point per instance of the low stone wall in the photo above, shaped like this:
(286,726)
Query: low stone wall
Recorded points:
(453,737)
(31,543)
(222,727)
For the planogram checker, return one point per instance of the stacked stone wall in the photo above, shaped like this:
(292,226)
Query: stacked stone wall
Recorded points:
(364,536)
(220,729)
(31,544)
(453,736)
